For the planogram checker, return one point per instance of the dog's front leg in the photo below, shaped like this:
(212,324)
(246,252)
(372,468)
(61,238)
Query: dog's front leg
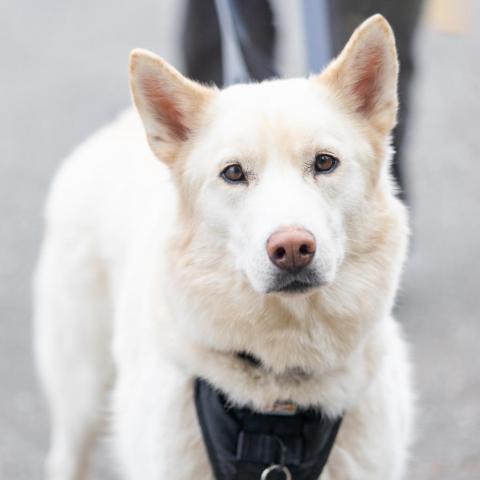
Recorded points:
(375,435)
(158,436)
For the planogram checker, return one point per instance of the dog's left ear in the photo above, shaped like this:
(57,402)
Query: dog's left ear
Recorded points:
(169,104)
(365,74)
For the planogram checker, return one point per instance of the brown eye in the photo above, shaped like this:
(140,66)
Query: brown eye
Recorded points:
(325,163)
(233,174)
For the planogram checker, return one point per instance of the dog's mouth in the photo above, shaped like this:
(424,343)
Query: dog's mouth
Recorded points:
(295,283)
(296,287)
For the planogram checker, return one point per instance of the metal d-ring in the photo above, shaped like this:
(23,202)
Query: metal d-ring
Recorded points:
(273,468)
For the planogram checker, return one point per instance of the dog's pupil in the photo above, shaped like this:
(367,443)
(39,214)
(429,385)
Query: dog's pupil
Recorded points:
(324,162)
(235,172)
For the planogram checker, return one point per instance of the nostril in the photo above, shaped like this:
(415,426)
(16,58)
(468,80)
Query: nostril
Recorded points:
(280,252)
(305,249)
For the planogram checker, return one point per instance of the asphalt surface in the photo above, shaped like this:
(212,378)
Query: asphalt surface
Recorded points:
(64,74)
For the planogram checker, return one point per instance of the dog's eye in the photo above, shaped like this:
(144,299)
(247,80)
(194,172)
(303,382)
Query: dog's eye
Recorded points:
(325,163)
(233,174)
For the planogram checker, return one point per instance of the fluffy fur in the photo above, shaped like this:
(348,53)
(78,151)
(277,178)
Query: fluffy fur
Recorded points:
(154,272)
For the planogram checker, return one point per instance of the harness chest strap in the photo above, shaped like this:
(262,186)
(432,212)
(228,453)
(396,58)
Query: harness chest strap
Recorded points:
(246,445)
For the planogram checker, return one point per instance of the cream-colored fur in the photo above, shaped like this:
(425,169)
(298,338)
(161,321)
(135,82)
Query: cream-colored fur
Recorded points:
(153,273)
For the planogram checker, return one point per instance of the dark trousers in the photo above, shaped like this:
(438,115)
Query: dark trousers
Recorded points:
(203,54)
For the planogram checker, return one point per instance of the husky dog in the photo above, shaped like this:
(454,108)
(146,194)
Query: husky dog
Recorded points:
(260,223)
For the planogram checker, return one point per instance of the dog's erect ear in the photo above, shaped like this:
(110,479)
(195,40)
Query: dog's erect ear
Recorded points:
(365,73)
(168,103)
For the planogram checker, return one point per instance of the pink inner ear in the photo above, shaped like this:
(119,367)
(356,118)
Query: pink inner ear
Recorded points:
(367,87)
(164,108)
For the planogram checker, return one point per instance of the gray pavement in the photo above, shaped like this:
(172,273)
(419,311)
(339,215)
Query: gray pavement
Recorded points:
(64,74)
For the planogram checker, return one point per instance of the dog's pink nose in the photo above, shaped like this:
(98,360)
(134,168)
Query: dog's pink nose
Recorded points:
(291,248)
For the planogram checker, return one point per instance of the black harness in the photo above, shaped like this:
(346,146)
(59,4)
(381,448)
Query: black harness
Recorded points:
(293,444)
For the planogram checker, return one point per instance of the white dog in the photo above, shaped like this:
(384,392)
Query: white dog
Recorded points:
(260,251)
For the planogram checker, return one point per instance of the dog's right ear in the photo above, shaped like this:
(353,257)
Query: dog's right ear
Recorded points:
(168,103)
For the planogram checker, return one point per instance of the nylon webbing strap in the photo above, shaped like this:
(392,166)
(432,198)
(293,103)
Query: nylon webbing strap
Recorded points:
(316,15)
(265,448)
(234,67)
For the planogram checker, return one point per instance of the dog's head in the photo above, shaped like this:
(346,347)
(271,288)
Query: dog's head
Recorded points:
(281,181)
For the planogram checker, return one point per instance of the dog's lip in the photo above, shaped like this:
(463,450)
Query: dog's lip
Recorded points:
(296,284)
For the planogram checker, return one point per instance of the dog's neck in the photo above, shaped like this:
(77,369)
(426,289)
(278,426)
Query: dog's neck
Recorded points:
(249,382)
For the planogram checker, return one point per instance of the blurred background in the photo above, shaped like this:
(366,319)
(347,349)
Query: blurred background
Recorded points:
(64,74)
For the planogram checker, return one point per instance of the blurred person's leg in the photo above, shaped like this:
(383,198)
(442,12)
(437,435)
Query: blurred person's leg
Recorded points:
(403,15)
(202,46)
